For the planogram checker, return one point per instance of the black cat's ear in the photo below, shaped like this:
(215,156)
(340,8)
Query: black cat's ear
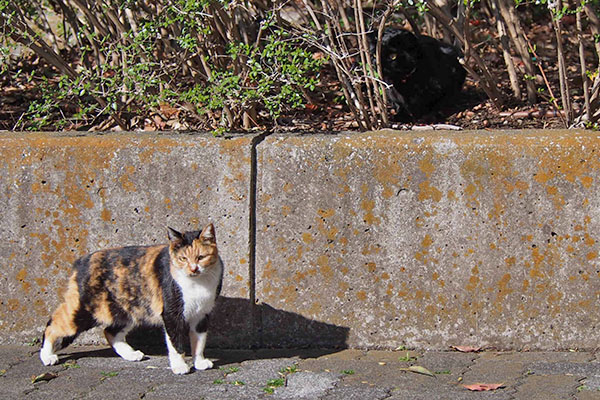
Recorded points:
(208,234)
(174,236)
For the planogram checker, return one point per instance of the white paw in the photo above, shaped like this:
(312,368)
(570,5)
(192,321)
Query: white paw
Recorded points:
(202,364)
(133,356)
(48,359)
(180,367)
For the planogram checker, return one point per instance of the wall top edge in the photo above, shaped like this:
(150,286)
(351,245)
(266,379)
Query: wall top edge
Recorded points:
(192,135)
(126,134)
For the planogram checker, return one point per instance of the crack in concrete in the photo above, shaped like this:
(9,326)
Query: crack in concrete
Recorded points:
(473,362)
(520,381)
(581,382)
(388,393)
(149,389)
(93,388)
(255,311)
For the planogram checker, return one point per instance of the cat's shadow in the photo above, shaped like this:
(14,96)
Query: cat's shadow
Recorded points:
(239,331)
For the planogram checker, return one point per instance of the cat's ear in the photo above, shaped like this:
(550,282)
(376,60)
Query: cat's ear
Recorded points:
(174,236)
(208,234)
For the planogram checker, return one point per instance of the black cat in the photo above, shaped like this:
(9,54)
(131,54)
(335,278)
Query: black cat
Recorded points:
(424,72)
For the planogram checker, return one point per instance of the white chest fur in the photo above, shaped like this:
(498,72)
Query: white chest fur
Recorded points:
(199,292)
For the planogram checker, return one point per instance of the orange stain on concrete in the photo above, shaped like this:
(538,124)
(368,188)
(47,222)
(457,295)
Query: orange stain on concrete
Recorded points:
(307,238)
(371,267)
(428,192)
(426,166)
(586,181)
(427,241)
(368,206)
(324,267)
(105,215)
(326,213)
(125,179)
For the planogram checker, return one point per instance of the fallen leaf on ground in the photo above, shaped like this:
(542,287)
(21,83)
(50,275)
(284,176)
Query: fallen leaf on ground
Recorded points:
(418,370)
(43,377)
(169,111)
(466,349)
(481,387)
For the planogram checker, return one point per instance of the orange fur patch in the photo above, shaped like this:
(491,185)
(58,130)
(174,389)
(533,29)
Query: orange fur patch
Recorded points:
(63,319)
(152,284)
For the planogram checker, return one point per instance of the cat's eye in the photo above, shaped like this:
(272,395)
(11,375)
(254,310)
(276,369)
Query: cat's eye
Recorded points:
(393,56)
(200,258)
(182,258)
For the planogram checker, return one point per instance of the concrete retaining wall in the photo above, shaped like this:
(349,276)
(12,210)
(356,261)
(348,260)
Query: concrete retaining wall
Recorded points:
(366,240)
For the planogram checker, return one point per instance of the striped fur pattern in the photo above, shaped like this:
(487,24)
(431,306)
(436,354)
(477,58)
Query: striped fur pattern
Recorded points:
(173,285)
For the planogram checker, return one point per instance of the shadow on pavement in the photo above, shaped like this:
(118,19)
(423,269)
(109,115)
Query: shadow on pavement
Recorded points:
(241,331)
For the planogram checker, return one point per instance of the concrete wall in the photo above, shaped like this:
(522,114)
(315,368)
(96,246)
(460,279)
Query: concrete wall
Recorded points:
(376,240)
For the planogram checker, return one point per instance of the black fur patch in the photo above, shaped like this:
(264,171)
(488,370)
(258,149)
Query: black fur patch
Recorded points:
(84,320)
(175,325)
(202,326)
(114,329)
(424,72)
(179,240)
(66,341)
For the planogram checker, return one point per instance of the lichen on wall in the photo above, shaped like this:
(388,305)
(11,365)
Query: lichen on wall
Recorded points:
(438,238)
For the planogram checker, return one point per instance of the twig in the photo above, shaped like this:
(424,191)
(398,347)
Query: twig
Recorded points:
(562,69)
(584,78)
(505,45)
(595,28)
(367,69)
(516,33)
(539,64)
(380,30)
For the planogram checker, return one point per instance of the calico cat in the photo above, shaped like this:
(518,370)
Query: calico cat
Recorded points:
(173,286)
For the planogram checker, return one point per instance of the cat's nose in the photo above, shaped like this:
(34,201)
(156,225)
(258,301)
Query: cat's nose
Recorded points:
(194,268)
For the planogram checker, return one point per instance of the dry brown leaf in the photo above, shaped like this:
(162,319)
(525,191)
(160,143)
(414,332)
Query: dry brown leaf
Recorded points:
(311,107)
(418,370)
(48,376)
(466,349)
(168,111)
(481,387)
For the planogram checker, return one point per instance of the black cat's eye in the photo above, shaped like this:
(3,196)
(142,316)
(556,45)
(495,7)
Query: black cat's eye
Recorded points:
(393,56)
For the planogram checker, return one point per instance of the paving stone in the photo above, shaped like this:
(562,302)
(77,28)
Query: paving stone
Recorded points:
(548,387)
(494,371)
(357,393)
(562,368)
(592,382)
(533,356)
(307,385)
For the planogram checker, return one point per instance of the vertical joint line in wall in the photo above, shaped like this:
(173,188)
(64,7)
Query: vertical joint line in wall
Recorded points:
(255,311)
